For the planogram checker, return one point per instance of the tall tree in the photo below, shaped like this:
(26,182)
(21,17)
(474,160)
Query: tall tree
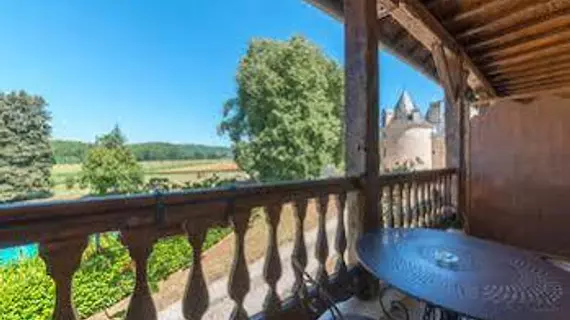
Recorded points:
(285,122)
(110,167)
(25,152)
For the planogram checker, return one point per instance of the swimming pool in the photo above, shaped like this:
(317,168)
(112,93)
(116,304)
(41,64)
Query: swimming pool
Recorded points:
(15,253)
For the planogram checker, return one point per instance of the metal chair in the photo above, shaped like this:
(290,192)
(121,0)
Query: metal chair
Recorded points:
(319,299)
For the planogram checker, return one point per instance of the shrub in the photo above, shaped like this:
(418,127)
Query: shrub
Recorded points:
(110,167)
(69,182)
(102,280)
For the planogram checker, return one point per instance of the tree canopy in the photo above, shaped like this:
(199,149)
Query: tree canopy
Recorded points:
(25,153)
(67,151)
(110,167)
(285,121)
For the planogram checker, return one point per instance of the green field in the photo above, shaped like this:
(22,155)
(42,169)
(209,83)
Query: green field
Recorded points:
(174,170)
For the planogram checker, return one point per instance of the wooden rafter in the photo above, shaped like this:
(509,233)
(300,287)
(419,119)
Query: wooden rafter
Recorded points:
(551,51)
(534,78)
(517,96)
(553,38)
(540,26)
(531,65)
(543,8)
(534,72)
(485,8)
(551,88)
(399,38)
(335,9)
(419,22)
(432,3)
(554,81)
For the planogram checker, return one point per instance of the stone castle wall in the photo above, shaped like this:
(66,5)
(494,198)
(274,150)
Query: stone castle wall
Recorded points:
(438,152)
(409,145)
(410,140)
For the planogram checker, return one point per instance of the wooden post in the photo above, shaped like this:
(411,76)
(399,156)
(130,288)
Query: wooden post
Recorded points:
(361,115)
(453,78)
(362,126)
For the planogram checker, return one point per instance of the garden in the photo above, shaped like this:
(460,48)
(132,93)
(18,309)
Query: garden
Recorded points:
(105,277)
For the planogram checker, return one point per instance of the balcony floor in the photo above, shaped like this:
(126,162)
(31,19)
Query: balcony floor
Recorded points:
(221,305)
(373,310)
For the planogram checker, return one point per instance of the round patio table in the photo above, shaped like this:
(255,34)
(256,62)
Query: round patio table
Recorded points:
(467,276)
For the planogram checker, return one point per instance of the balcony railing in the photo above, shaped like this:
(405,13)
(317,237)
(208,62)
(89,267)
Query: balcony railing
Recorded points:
(418,199)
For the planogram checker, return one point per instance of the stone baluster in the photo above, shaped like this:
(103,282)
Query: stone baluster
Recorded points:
(436,200)
(440,199)
(272,266)
(426,204)
(402,205)
(419,205)
(321,246)
(390,207)
(299,254)
(412,205)
(62,258)
(448,184)
(408,206)
(432,207)
(340,238)
(195,301)
(397,205)
(383,206)
(140,243)
(238,284)
(381,209)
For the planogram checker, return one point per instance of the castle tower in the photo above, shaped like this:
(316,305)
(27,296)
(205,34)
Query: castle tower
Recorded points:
(404,107)
(386,117)
(435,116)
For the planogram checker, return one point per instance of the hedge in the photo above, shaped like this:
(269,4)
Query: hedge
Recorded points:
(103,279)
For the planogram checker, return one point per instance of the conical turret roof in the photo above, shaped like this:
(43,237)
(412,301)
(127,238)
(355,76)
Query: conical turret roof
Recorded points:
(405,105)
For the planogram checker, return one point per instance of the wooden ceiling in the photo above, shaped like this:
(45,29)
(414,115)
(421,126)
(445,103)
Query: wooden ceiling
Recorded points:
(393,38)
(511,47)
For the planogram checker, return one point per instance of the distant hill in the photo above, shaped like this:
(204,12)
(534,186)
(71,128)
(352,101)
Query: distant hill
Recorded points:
(69,151)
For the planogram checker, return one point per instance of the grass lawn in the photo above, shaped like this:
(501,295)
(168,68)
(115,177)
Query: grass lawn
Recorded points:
(175,170)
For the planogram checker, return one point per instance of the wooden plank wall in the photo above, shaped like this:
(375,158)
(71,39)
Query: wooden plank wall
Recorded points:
(520,174)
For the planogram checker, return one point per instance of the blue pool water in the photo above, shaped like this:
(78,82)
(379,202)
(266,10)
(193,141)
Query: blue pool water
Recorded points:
(15,253)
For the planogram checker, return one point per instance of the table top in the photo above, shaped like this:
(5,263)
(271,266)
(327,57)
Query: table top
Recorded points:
(473,277)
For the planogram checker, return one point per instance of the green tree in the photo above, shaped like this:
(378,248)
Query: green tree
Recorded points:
(112,140)
(285,121)
(110,167)
(25,152)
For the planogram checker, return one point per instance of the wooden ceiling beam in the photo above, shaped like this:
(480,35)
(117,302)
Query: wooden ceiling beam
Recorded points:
(431,3)
(526,80)
(420,23)
(504,6)
(518,96)
(520,32)
(535,90)
(535,55)
(415,51)
(555,82)
(531,65)
(554,37)
(336,10)
(540,8)
(545,70)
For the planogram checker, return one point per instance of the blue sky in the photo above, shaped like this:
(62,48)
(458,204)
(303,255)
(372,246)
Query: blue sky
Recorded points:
(160,69)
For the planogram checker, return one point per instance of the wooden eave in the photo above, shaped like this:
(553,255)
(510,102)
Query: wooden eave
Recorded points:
(509,47)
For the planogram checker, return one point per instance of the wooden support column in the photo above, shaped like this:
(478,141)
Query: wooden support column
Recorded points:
(361,116)
(453,78)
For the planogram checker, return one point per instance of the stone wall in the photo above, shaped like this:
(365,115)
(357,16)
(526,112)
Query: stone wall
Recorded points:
(409,143)
(438,152)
